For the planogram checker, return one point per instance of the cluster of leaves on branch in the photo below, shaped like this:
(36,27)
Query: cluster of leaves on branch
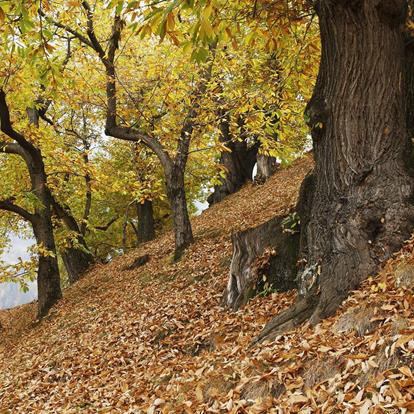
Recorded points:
(262,71)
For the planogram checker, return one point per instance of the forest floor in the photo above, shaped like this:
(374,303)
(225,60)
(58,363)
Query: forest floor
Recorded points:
(156,339)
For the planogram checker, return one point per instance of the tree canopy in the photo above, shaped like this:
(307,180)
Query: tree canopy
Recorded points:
(130,100)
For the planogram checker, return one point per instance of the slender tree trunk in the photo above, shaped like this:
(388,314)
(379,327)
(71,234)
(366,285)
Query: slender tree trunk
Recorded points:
(76,263)
(361,206)
(77,257)
(48,277)
(266,166)
(88,204)
(145,212)
(177,197)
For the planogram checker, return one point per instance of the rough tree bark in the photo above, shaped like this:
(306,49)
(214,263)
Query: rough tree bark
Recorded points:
(266,166)
(246,274)
(238,163)
(361,206)
(409,84)
(48,277)
(178,201)
(146,230)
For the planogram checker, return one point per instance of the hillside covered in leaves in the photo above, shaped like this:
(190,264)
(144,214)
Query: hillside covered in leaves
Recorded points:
(157,340)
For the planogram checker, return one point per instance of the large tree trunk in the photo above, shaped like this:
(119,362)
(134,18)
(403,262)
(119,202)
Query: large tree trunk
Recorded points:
(146,230)
(238,163)
(409,89)
(361,209)
(177,197)
(48,277)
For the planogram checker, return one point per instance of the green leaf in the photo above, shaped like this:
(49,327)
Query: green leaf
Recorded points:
(200,54)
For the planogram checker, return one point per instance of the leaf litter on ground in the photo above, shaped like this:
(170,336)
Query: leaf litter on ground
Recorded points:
(157,340)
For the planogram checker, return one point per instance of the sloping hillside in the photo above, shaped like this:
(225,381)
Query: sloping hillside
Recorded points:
(156,339)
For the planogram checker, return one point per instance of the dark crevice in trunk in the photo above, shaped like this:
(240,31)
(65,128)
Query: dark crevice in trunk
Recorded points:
(251,272)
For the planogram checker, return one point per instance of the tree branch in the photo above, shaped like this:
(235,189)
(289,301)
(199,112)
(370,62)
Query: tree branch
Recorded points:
(135,135)
(68,29)
(106,226)
(112,128)
(8,205)
(12,148)
(91,31)
(7,127)
(188,125)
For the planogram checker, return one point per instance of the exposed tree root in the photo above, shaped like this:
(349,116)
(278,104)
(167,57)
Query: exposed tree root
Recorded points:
(301,311)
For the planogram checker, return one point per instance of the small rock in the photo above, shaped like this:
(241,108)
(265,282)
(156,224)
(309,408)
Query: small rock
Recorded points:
(362,321)
(404,276)
(322,369)
(217,385)
(399,324)
(260,390)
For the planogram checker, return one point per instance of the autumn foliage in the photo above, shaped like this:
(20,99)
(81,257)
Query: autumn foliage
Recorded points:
(157,339)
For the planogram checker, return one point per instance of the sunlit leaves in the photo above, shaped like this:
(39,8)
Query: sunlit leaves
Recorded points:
(264,58)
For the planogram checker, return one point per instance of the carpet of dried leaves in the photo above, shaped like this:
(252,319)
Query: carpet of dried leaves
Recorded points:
(156,340)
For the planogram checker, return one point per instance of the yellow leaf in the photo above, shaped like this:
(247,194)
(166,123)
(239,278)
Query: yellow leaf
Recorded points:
(170,22)
(207,11)
(206,28)
(382,286)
